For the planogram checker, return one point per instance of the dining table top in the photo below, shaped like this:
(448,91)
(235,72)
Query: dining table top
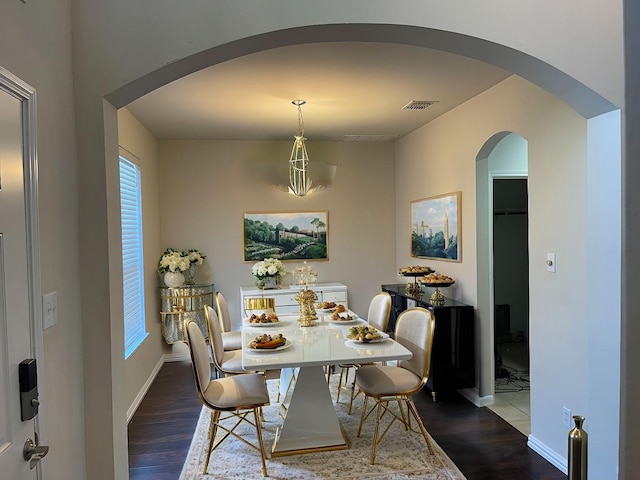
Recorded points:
(322,344)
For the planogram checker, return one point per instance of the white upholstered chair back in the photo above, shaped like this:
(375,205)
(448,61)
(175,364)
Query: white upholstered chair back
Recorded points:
(415,328)
(199,355)
(223,312)
(215,335)
(379,311)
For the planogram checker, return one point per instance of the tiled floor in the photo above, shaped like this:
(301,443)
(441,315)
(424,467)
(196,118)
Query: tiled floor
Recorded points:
(512,392)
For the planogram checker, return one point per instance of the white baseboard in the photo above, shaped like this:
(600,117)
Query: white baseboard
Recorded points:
(471,394)
(549,455)
(176,357)
(143,391)
(167,357)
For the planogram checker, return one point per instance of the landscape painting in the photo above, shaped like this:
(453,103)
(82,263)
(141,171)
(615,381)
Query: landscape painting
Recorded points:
(435,227)
(286,235)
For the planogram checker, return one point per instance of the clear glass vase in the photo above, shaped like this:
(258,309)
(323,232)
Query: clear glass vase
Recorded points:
(190,274)
(269,283)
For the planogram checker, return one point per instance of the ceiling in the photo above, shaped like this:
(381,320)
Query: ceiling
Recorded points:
(353,90)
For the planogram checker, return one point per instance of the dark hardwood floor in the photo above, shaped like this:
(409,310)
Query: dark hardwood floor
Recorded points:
(482,445)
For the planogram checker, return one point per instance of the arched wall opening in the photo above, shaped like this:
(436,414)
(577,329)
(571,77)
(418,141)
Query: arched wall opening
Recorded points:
(575,94)
(504,155)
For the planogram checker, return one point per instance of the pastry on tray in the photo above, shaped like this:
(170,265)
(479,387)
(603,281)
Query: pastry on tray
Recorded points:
(344,318)
(268,341)
(339,309)
(415,269)
(326,305)
(435,279)
(263,318)
(364,333)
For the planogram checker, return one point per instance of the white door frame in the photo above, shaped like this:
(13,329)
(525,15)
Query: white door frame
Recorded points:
(27,95)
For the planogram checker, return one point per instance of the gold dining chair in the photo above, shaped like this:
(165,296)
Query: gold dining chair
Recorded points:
(227,362)
(236,396)
(377,317)
(415,329)
(231,339)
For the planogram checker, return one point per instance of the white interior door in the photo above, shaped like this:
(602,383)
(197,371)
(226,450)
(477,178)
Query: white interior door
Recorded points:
(17,322)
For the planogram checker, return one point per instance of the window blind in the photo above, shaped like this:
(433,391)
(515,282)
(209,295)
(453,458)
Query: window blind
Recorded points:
(132,256)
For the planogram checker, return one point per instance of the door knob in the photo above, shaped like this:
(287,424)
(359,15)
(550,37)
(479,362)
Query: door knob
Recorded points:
(33,453)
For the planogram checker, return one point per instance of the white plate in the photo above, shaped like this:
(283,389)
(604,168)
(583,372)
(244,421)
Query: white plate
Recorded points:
(266,324)
(354,344)
(266,350)
(325,310)
(385,336)
(354,319)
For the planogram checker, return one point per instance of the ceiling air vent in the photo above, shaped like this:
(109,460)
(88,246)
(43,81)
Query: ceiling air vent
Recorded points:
(419,104)
(369,138)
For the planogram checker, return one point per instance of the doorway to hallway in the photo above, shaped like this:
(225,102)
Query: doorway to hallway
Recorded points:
(511,302)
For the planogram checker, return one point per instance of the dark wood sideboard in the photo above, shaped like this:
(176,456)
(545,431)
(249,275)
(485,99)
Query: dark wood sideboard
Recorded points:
(453,356)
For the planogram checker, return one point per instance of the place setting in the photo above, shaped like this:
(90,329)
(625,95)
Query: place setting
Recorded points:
(266,343)
(360,335)
(263,320)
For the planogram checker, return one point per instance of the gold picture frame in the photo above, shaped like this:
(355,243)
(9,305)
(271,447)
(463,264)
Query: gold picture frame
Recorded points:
(436,227)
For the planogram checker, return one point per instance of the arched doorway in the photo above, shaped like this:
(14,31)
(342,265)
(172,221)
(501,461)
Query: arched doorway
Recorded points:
(503,266)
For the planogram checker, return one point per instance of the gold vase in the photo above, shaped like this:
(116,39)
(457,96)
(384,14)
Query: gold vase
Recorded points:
(578,447)
(306,299)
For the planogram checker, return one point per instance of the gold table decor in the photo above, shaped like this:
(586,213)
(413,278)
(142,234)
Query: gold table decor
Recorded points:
(306,298)
(437,298)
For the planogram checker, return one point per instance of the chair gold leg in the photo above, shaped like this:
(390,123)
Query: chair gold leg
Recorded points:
(257,412)
(364,414)
(379,410)
(414,411)
(341,380)
(215,416)
(354,394)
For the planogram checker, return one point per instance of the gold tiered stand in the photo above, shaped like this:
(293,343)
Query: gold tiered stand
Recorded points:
(414,288)
(436,297)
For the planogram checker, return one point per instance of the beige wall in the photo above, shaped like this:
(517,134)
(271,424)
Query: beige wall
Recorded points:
(28,29)
(207,185)
(558,206)
(141,148)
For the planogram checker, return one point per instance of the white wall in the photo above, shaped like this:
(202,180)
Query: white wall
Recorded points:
(557,139)
(207,186)
(141,148)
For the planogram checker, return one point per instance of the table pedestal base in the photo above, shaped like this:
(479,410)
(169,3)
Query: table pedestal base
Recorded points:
(309,429)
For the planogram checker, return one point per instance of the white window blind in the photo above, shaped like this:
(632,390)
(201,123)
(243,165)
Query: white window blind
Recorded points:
(132,256)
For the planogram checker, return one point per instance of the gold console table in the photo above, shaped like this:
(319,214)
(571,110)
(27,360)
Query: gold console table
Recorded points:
(178,304)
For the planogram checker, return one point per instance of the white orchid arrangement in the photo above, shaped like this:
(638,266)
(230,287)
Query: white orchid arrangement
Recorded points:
(269,267)
(176,261)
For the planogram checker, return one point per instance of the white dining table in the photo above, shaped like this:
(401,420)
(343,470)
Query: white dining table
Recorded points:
(311,423)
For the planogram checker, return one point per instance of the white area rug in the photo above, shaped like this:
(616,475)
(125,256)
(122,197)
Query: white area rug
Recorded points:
(401,455)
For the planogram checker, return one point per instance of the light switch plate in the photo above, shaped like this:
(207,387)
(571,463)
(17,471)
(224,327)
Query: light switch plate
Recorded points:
(49,310)
(551,262)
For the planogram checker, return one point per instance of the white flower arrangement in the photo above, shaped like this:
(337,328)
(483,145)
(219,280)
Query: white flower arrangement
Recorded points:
(195,256)
(177,261)
(269,267)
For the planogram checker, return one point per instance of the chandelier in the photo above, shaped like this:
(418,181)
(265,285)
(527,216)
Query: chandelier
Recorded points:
(299,181)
